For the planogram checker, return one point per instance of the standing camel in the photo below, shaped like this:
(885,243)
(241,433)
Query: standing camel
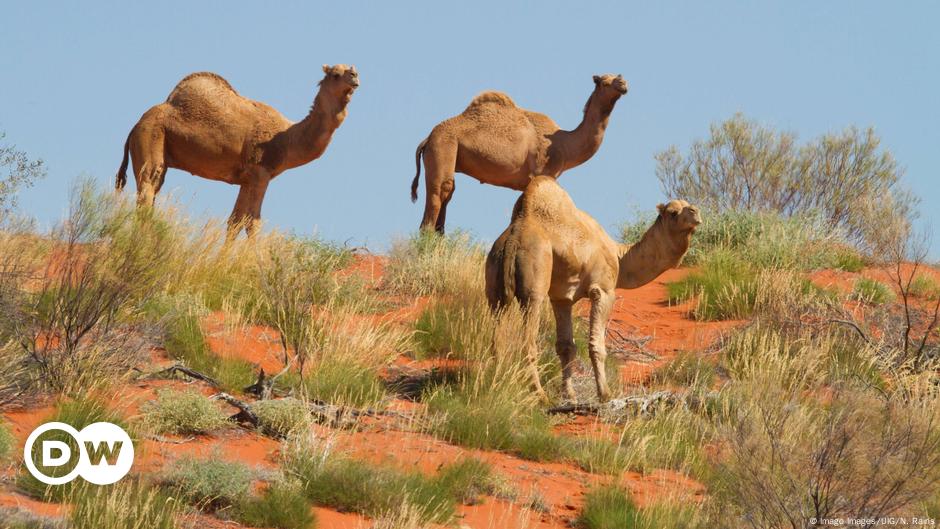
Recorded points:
(552,250)
(206,128)
(498,143)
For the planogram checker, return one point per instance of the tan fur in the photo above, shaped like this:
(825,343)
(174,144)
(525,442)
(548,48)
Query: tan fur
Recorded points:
(498,143)
(206,128)
(552,250)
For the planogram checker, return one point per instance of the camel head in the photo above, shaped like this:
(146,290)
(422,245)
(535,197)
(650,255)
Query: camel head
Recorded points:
(612,85)
(679,217)
(340,80)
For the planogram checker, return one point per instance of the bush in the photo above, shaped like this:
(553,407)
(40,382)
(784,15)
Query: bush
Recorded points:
(746,166)
(794,421)
(686,369)
(351,485)
(125,505)
(281,417)
(16,172)
(183,412)
(610,507)
(429,263)
(925,286)
(209,484)
(872,291)
(468,479)
(343,383)
(724,288)
(281,506)
(105,260)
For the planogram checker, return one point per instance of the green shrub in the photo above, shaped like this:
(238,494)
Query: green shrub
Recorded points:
(281,506)
(872,291)
(281,417)
(598,455)
(724,287)
(470,478)
(211,483)
(352,485)
(126,505)
(925,286)
(428,263)
(343,383)
(183,412)
(610,507)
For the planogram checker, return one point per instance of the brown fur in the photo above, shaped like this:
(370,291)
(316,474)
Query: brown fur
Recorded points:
(552,250)
(498,143)
(206,128)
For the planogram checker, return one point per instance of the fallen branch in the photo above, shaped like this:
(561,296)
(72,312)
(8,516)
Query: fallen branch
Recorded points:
(644,404)
(180,368)
(244,415)
(853,325)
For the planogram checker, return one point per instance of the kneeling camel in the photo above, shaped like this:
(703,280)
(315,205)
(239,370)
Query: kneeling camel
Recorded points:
(553,250)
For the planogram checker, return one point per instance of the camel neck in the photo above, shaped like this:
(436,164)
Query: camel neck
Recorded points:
(586,138)
(656,252)
(309,138)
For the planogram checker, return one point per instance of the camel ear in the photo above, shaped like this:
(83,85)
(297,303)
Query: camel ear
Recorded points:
(326,68)
(660,208)
(597,79)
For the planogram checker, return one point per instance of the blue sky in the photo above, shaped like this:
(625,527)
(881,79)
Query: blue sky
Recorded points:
(75,77)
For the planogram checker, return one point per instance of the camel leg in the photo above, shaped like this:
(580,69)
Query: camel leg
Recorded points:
(247,211)
(149,165)
(440,162)
(447,192)
(601,304)
(532,316)
(564,344)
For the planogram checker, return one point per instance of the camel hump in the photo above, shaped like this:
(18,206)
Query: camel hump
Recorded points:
(214,78)
(491,97)
(544,198)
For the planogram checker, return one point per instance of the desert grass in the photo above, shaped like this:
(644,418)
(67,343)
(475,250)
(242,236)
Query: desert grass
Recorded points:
(129,504)
(610,507)
(282,505)
(430,264)
(805,412)
(282,417)
(925,286)
(183,412)
(338,481)
(209,484)
(872,291)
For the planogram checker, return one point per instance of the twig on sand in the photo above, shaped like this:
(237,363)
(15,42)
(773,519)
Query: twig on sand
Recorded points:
(191,373)
(637,343)
(244,415)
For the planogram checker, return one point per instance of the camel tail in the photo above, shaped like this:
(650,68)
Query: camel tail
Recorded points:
(120,180)
(414,183)
(501,275)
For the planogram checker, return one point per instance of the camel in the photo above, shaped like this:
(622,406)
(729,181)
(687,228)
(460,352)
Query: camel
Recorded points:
(498,143)
(207,128)
(553,250)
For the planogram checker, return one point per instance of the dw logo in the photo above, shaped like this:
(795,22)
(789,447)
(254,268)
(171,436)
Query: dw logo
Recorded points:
(103,450)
